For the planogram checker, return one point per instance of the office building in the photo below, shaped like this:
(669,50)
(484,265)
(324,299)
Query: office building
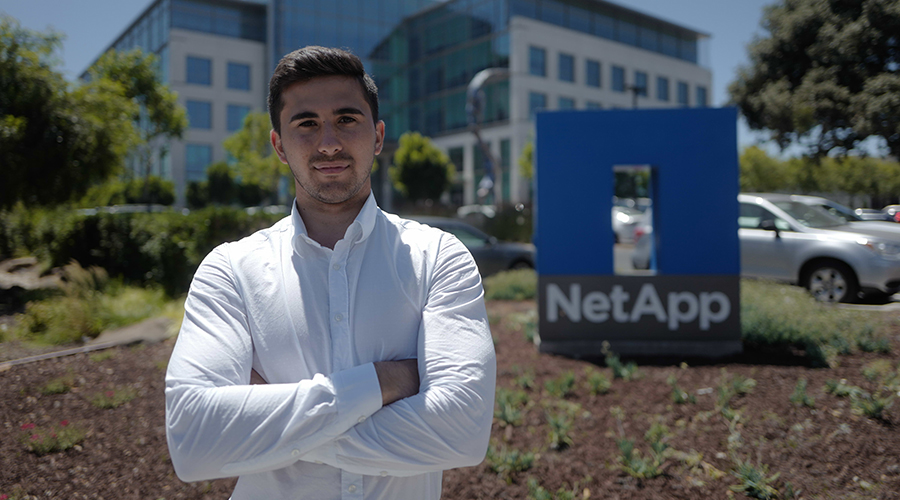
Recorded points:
(218,56)
(559,54)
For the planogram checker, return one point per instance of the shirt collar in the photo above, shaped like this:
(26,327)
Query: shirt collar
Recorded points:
(365,220)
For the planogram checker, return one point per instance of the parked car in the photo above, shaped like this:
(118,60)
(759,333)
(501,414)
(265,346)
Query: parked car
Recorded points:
(786,240)
(893,211)
(491,255)
(873,215)
(624,220)
(850,216)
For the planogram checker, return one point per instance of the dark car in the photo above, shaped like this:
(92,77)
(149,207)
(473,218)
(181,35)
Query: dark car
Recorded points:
(490,254)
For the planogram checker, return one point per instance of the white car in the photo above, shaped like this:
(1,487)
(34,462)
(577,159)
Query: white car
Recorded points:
(848,215)
(786,240)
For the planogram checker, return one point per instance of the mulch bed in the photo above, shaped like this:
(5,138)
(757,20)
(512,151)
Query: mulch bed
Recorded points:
(826,451)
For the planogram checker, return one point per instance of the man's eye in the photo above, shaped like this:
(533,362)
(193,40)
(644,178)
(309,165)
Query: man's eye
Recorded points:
(346,119)
(307,123)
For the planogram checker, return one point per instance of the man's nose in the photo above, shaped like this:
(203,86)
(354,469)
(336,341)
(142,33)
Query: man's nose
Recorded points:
(329,143)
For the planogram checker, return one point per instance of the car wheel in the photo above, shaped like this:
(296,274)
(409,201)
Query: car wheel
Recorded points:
(832,281)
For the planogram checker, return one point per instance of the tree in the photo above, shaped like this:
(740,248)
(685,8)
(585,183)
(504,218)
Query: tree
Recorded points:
(255,160)
(526,161)
(420,171)
(825,76)
(54,142)
(158,115)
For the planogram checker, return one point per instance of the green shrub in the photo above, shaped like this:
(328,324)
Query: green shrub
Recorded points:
(755,481)
(59,437)
(114,398)
(561,387)
(787,316)
(598,383)
(505,462)
(518,284)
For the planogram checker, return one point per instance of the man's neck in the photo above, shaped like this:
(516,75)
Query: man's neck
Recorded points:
(327,223)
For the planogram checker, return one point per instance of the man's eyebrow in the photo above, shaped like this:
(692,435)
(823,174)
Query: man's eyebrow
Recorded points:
(340,111)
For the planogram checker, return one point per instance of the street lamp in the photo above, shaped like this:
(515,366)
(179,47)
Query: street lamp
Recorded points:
(474,111)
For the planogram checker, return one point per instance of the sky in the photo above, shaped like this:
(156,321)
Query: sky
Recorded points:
(92,25)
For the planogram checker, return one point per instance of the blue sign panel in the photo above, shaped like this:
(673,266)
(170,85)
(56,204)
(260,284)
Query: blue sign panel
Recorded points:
(691,304)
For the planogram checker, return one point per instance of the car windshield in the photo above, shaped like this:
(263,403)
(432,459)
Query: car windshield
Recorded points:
(807,215)
(840,211)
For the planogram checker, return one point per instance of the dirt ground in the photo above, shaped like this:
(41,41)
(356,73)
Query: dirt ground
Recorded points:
(825,451)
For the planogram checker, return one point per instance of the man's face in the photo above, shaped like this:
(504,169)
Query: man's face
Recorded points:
(328,139)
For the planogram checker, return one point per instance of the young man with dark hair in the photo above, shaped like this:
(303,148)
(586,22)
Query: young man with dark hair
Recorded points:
(367,332)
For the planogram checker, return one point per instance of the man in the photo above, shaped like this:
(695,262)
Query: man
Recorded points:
(369,331)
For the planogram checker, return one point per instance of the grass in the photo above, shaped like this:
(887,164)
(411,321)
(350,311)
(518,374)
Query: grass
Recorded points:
(786,316)
(519,284)
(114,398)
(88,303)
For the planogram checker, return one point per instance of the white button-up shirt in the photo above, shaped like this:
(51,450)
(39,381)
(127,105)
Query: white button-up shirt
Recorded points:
(312,321)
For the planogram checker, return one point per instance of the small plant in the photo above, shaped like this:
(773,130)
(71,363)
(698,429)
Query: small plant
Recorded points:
(630,460)
(870,344)
(505,462)
(841,389)
(878,369)
(102,356)
(620,370)
(561,387)
(538,492)
(59,385)
(560,425)
(870,405)
(598,383)
(800,397)
(525,322)
(519,284)
(679,396)
(60,437)
(113,398)
(755,481)
(509,405)
(524,379)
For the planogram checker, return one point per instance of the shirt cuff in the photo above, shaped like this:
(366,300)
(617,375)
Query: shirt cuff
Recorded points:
(358,392)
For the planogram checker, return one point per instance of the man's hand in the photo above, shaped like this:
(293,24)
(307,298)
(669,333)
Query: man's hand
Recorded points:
(398,379)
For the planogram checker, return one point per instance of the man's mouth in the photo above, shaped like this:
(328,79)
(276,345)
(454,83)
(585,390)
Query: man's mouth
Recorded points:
(331,169)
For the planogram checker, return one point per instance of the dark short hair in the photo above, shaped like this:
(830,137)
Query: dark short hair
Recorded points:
(313,61)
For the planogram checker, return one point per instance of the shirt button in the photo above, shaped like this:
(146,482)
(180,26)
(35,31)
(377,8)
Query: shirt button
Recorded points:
(295,453)
(338,317)
(336,267)
(361,419)
(351,488)
(383,473)
(319,462)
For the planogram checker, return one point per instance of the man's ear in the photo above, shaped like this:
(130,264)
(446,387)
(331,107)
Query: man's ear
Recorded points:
(276,144)
(379,136)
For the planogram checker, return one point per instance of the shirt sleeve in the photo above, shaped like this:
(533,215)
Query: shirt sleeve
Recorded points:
(219,426)
(448,423)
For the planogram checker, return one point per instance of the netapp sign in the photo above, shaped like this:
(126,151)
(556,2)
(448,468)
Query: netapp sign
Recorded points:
(691,305)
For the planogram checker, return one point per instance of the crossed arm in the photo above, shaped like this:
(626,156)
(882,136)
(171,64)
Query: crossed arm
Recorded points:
(362,420)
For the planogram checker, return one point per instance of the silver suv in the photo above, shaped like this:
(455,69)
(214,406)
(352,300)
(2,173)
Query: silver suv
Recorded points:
(786,240)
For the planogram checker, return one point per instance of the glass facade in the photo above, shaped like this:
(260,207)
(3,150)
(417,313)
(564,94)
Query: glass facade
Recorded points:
(235,116)
(592,73)
(197,158)
(219,18)
(565,103)
(614,23)
(199,114)
(238,76)
(640,82)
(199,71)
(683,93)
(536,102)
(537,61)
(618,78)
(566,67)
(662,88)
(702,97)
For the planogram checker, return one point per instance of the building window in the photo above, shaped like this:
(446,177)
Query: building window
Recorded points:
(199,114)
(682,93)
(566,68)
(662,88)
(236,114)
(199,70)
(593,105)
(618,79)
(592,73)
(701,97)
(566,103)
(238,76)
(537,61)
(640,82)
(536,102)
(197,158)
